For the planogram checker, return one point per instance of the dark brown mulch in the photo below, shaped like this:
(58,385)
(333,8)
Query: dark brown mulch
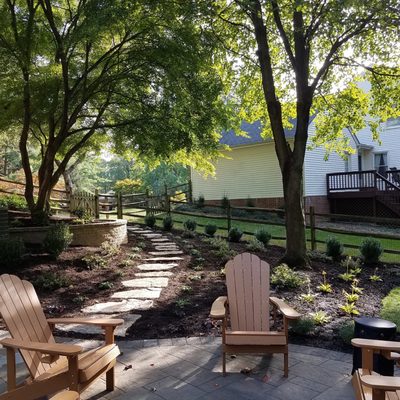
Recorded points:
(182,309)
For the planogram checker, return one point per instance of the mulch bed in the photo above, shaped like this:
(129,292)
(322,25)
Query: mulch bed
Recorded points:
(183,308)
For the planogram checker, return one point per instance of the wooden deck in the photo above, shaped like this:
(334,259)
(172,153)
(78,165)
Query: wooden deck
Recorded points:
(365,192)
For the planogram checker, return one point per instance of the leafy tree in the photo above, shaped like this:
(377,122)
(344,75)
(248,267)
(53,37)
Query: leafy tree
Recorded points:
(293,57)
(76,72)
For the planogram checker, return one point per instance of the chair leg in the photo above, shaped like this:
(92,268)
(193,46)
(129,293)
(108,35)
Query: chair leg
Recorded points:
(110,380)
(286,365)
(223,363)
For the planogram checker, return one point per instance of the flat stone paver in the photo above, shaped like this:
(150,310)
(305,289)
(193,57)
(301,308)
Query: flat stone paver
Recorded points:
(165,253)
(147,293)
(146,282)
(156,267)
(112,307)
(129,320)
(151,235)
(190,369)
(163,259)
(153,274)
(161,240)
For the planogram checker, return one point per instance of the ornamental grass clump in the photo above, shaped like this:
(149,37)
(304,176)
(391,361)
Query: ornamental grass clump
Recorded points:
(371,250)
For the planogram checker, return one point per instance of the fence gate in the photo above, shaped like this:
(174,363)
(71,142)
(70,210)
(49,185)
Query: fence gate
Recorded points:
(84,201)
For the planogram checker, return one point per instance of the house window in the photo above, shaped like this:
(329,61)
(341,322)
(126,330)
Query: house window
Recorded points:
(380,163)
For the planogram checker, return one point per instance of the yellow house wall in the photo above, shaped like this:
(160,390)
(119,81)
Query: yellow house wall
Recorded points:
(251,171)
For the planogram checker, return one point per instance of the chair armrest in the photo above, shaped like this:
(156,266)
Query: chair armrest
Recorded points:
(87,321)
(287,311)
(384,345)
(57,349)
(218,308)
(390,383)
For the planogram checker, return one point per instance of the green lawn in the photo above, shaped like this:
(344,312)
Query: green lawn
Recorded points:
(278,231)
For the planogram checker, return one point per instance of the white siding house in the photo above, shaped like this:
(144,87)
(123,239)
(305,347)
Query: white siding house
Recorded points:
(251,170)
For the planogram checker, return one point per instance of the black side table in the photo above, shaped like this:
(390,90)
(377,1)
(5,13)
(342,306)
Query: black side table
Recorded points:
(378,329)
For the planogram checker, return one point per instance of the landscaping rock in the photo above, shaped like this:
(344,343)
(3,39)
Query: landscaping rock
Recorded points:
(162,259)
(148,293)
(153,273)
(112,307)
(157,267)
(146,282)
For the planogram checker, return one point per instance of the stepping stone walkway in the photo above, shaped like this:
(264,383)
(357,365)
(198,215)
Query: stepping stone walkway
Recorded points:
(144,288)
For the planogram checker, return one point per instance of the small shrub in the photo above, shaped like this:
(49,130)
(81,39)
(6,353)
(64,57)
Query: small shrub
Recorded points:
(84,216)
(57,239)
(350,297)
(316,255)
(371,250)
(105,285)
(320,317)
(79,299)
(308,298)
(375,278)
(303,326)
(334,248)
(284,277)
(255,245)
(168,223)
(225,201)
(210,229)
(109,248)
(186,289)
(94,261)
(391,307)
(125,263)
(350,309)
(190,225)
(11,251)
(263,236)
(200,201)
(325,287)
(346,331)
(150,220)
(235,234)
(347,277)
(13,202)
(49,281)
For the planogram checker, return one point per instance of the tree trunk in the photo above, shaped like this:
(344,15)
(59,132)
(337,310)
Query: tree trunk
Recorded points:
(296,251)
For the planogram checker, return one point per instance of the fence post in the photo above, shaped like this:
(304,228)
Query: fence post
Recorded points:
(312,229)
(190,191)
(147,202)
(120,212)
(167,202)
(96,204)
(229,215)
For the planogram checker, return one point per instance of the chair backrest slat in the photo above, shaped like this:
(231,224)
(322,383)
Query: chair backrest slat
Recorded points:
(247,280)
(24,318)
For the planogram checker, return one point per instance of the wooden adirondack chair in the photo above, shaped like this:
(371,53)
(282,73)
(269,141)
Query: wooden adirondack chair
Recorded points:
(247,307)
(53,367)
(367,384)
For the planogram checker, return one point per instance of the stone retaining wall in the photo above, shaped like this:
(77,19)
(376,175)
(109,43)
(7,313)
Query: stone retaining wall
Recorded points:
(84,235)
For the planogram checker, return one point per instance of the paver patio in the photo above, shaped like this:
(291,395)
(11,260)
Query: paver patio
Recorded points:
(190,368)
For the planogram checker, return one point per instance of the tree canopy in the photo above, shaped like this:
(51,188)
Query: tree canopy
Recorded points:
(77,73)
(291,59)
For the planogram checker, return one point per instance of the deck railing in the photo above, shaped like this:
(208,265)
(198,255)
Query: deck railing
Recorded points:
(363,181)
